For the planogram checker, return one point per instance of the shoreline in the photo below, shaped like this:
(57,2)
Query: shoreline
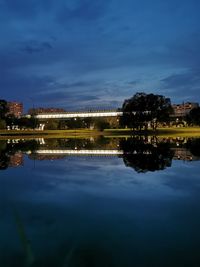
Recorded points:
(81,133)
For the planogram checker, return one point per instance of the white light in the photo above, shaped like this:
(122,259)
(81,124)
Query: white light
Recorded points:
(80,152)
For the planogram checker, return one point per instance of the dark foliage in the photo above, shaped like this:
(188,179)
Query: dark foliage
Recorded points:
(3,108)
(144,156)
(194,146)
(142,109)
(194,116)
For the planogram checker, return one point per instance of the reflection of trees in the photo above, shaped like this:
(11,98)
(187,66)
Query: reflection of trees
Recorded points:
(194,146)
(4,159)
(141,153)
(97,143)
(7,150)
(146,156)
(23,145)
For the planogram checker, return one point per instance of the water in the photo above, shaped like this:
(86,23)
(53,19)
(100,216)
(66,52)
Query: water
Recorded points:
(137,207)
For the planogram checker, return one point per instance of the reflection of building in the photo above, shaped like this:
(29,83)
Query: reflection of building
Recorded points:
(45,110)
(181,110)
(184,154)
(16,160)
(46,157)
(15,108)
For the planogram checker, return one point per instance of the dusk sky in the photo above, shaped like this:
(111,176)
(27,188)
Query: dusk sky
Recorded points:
(84,53)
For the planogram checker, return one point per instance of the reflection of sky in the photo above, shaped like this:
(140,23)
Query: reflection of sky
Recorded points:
(66,52)
(102,176)
(82,200)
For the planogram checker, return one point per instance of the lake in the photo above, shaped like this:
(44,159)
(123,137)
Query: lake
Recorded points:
(100,202)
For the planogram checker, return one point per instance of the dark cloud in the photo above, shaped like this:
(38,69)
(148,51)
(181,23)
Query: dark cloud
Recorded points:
(133,83)
(185,51)
(185,85)
(63,98)
(85,10)
(35,47)
(189,79)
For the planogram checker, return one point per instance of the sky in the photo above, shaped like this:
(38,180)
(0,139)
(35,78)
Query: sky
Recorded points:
(79,54)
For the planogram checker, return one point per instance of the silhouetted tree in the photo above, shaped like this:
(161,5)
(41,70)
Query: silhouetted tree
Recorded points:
(3,108)
(101,124)
(142,109)
(194,116)
(2,124)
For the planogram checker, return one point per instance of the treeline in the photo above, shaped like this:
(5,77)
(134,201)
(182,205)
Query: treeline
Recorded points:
(140,112)
(144,111)
(9,120)
(78,123)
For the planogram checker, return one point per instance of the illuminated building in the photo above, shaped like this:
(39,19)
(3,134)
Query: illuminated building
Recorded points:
(181,110)
(15,109)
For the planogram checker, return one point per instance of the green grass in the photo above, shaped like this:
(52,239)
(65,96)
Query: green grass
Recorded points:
(83,133)
(184,132)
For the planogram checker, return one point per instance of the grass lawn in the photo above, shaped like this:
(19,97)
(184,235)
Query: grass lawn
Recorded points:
(81,133)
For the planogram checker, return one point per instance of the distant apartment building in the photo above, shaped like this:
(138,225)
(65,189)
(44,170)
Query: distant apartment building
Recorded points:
(15,109)
(45,110)
(181,110)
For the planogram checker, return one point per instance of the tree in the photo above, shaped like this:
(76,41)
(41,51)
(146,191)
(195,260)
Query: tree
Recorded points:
(101,124)
(194,116)
(143,108)
(52,124)
(2,124)
(3,108)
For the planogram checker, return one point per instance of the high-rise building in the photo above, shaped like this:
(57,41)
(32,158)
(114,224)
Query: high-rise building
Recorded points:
(15,108)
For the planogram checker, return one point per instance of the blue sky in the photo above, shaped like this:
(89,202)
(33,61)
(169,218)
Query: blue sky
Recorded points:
(82,53)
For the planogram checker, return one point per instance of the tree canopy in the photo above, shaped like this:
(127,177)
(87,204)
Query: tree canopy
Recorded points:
(143,108)
(194,116)
(3,108)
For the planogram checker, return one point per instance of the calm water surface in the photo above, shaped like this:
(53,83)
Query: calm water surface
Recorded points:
(139,207)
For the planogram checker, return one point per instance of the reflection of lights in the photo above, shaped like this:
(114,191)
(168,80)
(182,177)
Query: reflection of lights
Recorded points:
(81,152)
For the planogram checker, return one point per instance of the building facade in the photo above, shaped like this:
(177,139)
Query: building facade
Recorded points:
(181,110)
(15,109)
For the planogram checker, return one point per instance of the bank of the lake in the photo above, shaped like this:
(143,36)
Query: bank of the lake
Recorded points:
(172,131)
